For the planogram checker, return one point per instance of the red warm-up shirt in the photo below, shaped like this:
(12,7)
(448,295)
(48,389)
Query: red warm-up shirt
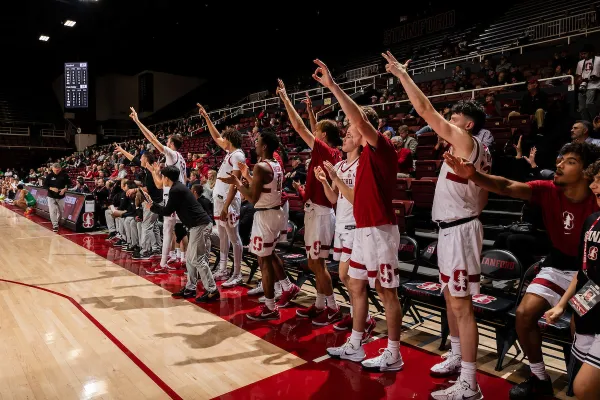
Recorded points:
(314,191)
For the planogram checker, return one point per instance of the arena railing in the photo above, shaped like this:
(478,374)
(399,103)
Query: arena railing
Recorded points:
(558,27)
(571,88)
(348,85)
(53,133)
(14,131)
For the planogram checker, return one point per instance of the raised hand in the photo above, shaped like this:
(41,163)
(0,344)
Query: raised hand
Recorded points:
(230,180)
(330,170)
(393,66)
(244,170)
(322,74)
(518,148)
(307,101)
(531,158)
(133,115)
(202,111)
(320,175)
(553,314)
(281,92)
(461,167)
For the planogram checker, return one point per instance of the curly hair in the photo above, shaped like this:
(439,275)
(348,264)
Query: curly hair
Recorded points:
(234,137)
(473,110)
(588,153)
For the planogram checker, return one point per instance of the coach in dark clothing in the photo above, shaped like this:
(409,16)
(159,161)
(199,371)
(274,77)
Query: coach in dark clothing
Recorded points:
(57,183)
(298,173)
(192,215)
(100,194)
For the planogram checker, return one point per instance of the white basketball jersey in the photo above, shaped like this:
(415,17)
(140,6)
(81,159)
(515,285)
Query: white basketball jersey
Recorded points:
(270,196)
(229,165)
(174,158)
(344,212)
(457,198)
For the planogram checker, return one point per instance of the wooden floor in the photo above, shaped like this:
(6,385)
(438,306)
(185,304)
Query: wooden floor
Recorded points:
(89,329)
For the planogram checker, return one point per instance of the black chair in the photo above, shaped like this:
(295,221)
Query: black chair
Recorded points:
(558,333)
(492,305)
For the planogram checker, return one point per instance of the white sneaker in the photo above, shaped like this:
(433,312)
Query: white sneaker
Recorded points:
(257,290)
(450,366)
(461,390)
(384,362)
(233,281)
(347,352)
(172,259)
(221,275)
(278,293)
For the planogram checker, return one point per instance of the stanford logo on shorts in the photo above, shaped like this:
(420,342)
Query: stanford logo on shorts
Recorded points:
(593,253)
(483,298)
(317,248)
(430,286)
(257,243)
(460,280)
(386,273)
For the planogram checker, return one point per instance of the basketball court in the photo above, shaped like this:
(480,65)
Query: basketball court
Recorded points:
(80,320)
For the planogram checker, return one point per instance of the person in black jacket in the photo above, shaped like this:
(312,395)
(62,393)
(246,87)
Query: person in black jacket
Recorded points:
(246,219)
(115,217)
(298,173)
(57,183)
(100,194)
(194,217)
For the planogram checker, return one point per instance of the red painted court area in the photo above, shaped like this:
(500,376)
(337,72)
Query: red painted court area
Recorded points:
(320,377)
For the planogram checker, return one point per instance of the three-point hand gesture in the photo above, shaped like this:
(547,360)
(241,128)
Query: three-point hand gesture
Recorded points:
(330,170)
(322,74)
(117,147)
(307,101)
(393,66)
(281,92)
(134,115)
(531,158)
(519,148)
(461,167)
(202,111)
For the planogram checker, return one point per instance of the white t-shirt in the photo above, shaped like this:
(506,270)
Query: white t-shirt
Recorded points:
(173,157)
(589,67)
(230,164)
(344,214)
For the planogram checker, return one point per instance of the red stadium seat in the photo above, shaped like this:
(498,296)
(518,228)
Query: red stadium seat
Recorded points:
(427,168)
(422,192)
(425,152)
(427,139)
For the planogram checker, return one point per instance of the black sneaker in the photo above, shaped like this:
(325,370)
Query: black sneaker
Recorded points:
(141,255)
(186,294)
(209,297)
(532,388)
(120,243)
(132,249)
(55,229)
(156,253)
(111,235)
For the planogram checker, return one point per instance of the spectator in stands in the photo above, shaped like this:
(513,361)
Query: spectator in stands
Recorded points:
(382,125)
(89,174)
(504,65)
(8,173)
(458,74)
(502,78)
(485,137)
(596,125)
(535,102)
(409,142)
(389,132)
(298,173)
(565,203)
(491,107)
(80,186)
(588,79)
(193,180)
(446,113)
(210,184)
(32,177)
(580,133)
(122,174)
(100,193)
(405,158)
(101,175)
(516,76)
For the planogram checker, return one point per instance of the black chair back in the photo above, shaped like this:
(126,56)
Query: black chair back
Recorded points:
(408,251)
(500,265)
(430,254)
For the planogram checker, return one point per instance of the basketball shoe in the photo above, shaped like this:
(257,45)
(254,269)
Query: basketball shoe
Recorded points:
(264,314)
(461,390)
(450,366)
(384,362)
(347,352)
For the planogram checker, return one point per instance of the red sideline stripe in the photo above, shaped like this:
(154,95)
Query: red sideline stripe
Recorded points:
(456,178)
(472,278)
(550,285)
(159,382)
(356,265)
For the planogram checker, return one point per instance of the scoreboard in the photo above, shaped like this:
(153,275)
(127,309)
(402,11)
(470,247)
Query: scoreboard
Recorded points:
(76,85)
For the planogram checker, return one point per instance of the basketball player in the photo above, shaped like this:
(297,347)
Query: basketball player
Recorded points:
(26,201)
(341,192)
(319,219)
(172,158)
(456,206)
(227,202)
(265,193)
(374,258)
(565,203)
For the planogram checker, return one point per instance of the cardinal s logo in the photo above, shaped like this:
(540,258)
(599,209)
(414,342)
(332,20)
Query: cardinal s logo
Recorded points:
(459,280)
(568,220)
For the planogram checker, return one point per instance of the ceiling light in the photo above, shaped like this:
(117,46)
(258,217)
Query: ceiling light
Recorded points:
(69,23)
(44,38)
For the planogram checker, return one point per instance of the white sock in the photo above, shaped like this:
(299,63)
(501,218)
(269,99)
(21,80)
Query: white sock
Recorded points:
(467,373)
(277,287)
(182,255)
(356,338)
(320,301)
(394,347)
(455,343)
(539,370)
(270,303)
(352,312)
(331,302)
(285,284)
(178,252)
(368,317)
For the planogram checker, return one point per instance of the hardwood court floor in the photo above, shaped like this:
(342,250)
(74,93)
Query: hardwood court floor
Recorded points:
(80,320)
